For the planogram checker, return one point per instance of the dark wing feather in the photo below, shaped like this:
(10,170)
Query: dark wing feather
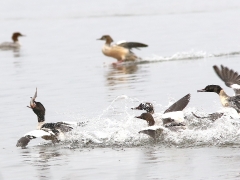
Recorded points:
(180,104)
(55,127)
(152,133)
(229,77)
(130,45)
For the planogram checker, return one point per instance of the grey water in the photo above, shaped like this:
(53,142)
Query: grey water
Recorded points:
(76,82)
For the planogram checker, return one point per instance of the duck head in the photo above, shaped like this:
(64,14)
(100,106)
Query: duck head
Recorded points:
(211,88)
(147,117)
(106,38)
(145,106)
(37,108)
(15,36)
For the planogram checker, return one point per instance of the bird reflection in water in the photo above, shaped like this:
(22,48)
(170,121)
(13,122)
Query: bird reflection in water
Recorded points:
(16,51)
(42,158)
(123,73)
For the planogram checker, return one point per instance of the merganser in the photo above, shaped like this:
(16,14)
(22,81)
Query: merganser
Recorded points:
(177,106)
(172,118)
(47,131)
(14,44)
(230,77)
(120,51)
(148,107)
(226,101)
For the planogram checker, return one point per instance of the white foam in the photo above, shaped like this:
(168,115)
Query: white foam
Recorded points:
(122,129)
(187,55)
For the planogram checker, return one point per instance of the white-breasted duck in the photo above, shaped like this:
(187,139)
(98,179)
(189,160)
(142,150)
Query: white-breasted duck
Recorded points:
(172,118)
(230,77)
(226,101)
(172,114)
(12,45)
(47,131)
(120,51)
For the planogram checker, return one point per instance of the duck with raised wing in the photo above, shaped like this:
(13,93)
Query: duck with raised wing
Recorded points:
(226,101)
(172,118)
(12,45)
(120,51)
(230,77)
(47,131)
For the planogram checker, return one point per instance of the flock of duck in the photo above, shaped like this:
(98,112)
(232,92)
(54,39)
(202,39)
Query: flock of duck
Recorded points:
(172,118)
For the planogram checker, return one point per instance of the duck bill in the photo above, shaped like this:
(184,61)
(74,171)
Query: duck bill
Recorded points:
(139,117)
(32,102)
(100,39)
(136,108)
(201,90)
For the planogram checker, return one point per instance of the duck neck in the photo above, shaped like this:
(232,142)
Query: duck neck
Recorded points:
(223,98)
(151,122)
(40,124)
(15,38)
(108,42)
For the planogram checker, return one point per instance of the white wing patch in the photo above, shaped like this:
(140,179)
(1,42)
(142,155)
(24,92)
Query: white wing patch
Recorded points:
(176,115)
(235,86)
(38,133)
(120,42)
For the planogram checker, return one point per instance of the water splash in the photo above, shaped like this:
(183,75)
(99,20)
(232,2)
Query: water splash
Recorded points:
(121,129)
(188,55)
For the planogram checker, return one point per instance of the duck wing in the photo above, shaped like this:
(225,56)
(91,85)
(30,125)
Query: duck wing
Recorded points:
(23,141)
(230,77)
(153,131)
(58,127)
(179,105)
(234,102)
(130,45)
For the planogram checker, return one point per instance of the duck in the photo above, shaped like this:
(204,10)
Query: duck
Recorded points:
(230,77)
(147,106)
(173,112)
(12,45)
(47,131)
(172,118)
(226,101)
(120,51)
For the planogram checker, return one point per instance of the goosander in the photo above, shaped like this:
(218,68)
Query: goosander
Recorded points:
(230,77)
(172,118)
(148,107)
(226,101)
(14,44)
(47,131)
(120,51)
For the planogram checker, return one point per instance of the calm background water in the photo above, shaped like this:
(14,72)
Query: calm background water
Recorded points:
(61,57)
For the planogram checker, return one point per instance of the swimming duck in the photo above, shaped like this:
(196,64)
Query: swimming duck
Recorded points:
(230,77)
(14,44)
(226,101)
(47,131)
(148,107)
(177,106)
(172,118)
(120,51)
